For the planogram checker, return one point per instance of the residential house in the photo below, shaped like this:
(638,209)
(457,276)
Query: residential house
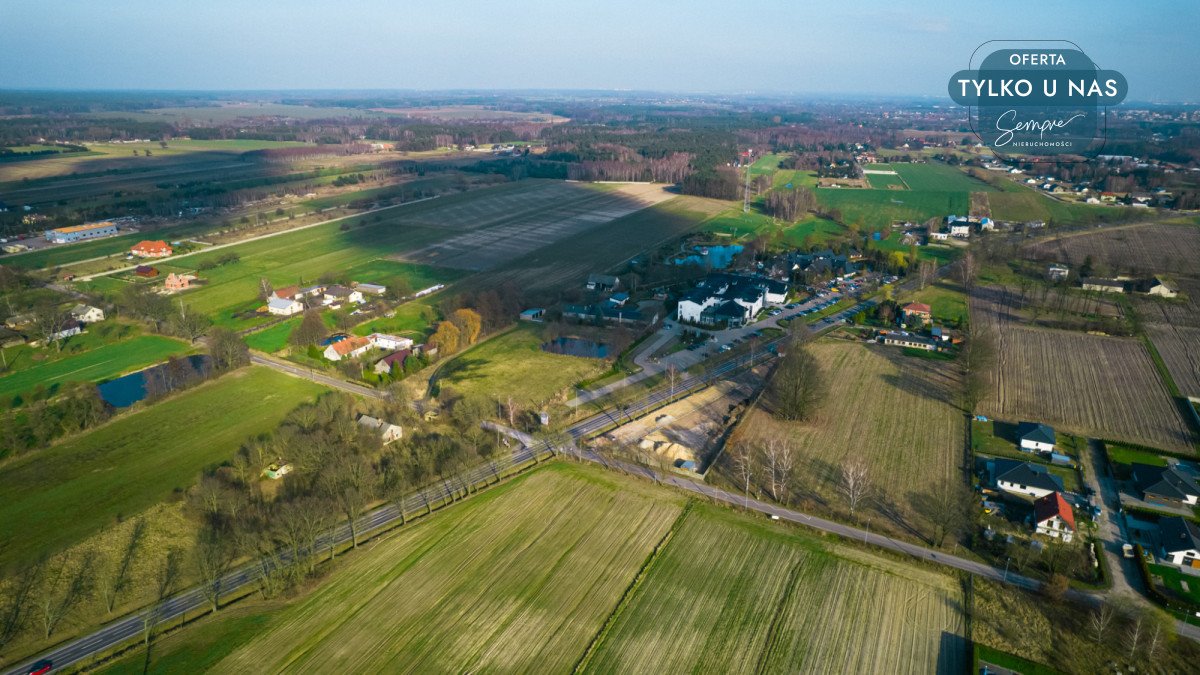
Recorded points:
(618,299)
(338,294)
(1057,272)
(1180,541)
(288,293)
(902,339)
(939,236)
(1052,516)
(69,328)
(383,341)
(1023,478)
(1035,437)
(177,282)
(394,360)
(960,230)
(370,289)
(823,263)
(1167,485)
(151,249)
(313,291)
(87,313)
(1102,285)
(348,348)
(917,312)
(602,282)
(283,306)
(146,271)
(387,431)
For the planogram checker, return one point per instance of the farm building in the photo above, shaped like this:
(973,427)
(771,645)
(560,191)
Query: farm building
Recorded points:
(283,307)
(602,282)
(917,311)
(1165,485)
(387,431)
(371,289)
(312,291)
(87,313)
(1057,272)
(151,249)
(382,341)
(603,312)
(1036,437)
(536,314)
(426,291)
(347,348)
(1023,478)
(1180,540)
(1158,287)
(337,293)
(64,235)
(277,471)
(178,282)
(1052,516)
(146,271)
(900,339)
(618,299)
(394,360)
(71,327)
(1102,285)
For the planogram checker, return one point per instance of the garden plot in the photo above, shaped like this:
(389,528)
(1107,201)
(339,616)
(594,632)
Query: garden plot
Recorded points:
(1136,250)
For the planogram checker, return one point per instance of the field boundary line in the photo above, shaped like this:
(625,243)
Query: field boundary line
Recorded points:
(631,590)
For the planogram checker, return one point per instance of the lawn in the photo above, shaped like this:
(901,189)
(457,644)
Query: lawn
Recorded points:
(1174,579)
(880,208)
(61,495)
(898,414)
(275,338)
(411,319)
(518,579)
(946,300)
(808,231)
(514,364)
(885,181)
(96,365)
(730,595)
(1123,454)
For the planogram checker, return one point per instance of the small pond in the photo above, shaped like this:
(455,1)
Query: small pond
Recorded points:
(125,391)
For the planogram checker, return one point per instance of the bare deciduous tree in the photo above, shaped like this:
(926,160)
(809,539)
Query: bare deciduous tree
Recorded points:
(350,485)
(798,386)
(63,588)
(212,556)
(1101,621)
(16,601)
(855,481)
(743,466)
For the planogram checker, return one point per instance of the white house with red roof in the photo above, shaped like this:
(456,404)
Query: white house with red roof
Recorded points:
(151,249)
(1052,516)
(348,348)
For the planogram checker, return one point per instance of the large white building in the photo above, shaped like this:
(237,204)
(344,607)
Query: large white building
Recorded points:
(733,299)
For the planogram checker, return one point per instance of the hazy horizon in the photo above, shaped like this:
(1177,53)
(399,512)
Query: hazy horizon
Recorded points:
(870,49)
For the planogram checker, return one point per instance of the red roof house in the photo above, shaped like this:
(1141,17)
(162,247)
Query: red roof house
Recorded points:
(1053,517)
(151,249)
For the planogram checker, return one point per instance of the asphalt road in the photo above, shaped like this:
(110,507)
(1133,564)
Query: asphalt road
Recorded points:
(296,370)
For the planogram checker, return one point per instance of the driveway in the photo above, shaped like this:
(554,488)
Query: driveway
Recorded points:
(1111,524)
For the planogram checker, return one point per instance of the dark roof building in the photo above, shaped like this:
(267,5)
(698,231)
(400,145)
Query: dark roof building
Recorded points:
(1179,535)
(1025,474)
(1165,484)
(1035,433)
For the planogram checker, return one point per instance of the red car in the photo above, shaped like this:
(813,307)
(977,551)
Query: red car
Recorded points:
(41,667)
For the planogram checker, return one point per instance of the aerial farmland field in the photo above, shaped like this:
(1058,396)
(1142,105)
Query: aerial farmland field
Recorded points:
(879,208)
(731,596)
(937,177)
(517,579)
(526,577)
(1088,385)
(1136,249)
(898,413)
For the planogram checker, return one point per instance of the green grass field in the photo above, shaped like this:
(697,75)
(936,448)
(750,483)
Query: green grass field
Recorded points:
(945,299)
(514,363)
(274,338)
(61,495)
(517,579)
(937,177)
(882,181)
(879,208)
(99,364)
(412,319)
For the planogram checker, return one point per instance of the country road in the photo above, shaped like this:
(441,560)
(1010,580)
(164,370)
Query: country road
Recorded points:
(295,370)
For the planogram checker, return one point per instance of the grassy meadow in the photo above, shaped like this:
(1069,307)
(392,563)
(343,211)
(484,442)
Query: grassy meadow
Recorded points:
(514,363)
(96,365)
(60,495)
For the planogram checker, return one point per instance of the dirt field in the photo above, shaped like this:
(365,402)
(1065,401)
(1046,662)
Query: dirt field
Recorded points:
(1085,384)
(897,412)
(496,229)
(1174,328)
(1137,249)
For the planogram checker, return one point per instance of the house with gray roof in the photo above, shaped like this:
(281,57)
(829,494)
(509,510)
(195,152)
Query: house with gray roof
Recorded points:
(1024,478)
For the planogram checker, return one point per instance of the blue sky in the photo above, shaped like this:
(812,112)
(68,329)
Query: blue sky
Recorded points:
(866,47)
